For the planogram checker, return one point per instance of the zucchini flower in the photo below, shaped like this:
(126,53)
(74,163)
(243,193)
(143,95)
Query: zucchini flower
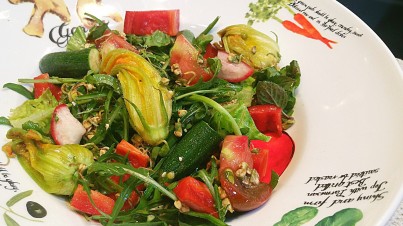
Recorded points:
(256,48)
(55,168)
(148,101)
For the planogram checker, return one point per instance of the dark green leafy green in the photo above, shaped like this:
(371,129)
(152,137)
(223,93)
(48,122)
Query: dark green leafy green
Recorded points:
(274,179)
(20,89)
(278,87)
(118,169)
(4,121)
(41,128)
(156,39)
(101,79)
(203,39)
(98,30)
(199,219)
(209,177)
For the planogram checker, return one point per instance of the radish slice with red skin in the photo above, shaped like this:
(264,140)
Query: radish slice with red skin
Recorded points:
(233,72)
(64,128)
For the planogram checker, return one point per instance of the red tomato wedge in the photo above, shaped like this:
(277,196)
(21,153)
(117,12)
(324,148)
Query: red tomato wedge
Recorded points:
(235,150)
(211,51)
(195,194)
(40,88)
(110,41)
(280,151)
(136,157)
(267,118)
(260,158)
(118,179)
(185,56)
(243,198)
(130,202)
(80,201)
(146,22)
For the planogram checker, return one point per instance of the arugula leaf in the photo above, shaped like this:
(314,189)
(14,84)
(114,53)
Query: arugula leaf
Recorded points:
(29,125)
(201,42)
(20,89)
(204,37)
(98,30)
(101,79)
(188,35)
(210,26)
(209,178)
(215,65)
(199,219)
(120,169)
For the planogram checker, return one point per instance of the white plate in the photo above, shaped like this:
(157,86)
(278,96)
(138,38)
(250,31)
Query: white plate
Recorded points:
(349,108)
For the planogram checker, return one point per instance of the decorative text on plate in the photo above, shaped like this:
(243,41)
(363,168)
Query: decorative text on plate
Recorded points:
(61,34)
(324,19)
(5,180)
(333,190)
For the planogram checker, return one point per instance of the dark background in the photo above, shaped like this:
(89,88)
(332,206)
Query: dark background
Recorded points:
(385,17)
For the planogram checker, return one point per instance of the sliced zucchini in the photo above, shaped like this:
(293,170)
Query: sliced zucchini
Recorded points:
(71,64)
(193,150)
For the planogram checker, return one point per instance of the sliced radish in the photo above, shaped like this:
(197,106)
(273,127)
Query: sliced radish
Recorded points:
(64,128)
(233,72)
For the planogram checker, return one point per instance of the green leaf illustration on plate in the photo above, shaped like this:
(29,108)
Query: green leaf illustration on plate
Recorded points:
(16,198)
(9,221)
(298,216)
(344,217)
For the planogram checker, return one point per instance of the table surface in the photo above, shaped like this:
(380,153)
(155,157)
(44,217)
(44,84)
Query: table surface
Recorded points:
(385,17)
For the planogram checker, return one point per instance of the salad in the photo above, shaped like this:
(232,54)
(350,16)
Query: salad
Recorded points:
(156,125)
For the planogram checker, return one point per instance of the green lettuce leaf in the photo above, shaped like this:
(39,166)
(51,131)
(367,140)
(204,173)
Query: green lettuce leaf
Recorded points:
(38,111)
(242,118)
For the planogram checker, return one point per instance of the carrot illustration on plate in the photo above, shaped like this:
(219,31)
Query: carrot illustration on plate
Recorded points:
(262,11)
(307,29)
